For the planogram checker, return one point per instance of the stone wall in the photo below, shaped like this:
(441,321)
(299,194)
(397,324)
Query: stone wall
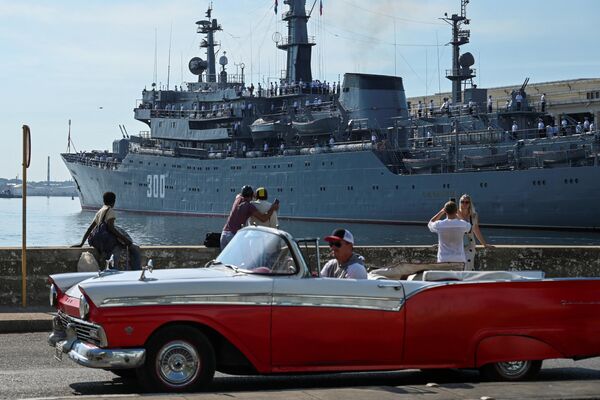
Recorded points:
(556,261)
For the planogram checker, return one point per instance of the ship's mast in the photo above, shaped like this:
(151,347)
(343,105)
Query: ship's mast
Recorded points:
(297,44)
(461,70)
(209,27)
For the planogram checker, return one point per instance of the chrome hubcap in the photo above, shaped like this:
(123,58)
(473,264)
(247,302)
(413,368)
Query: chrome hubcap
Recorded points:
(513,368)
(178,363)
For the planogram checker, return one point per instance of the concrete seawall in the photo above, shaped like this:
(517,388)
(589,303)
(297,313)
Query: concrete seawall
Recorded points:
(555,261)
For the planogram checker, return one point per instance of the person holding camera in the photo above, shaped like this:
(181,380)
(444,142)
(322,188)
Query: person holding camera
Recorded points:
(450,231)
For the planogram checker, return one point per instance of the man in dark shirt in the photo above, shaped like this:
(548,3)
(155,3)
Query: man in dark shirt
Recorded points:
(241,210)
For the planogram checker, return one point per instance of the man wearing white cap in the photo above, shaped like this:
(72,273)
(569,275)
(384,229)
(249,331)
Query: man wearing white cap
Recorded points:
(346,264)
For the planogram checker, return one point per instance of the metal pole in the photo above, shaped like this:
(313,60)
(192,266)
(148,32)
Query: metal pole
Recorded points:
(456,144)
(26,160)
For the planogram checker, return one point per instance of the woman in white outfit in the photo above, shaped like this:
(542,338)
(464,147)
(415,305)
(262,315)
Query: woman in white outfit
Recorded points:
(467,212)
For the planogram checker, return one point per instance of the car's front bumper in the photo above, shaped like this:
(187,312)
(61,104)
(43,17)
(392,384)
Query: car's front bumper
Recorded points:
(65,341)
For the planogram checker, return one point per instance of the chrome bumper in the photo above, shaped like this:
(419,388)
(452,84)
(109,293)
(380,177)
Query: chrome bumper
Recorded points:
(89,355)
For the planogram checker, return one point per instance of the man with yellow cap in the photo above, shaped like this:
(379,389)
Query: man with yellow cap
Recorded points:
(262,205)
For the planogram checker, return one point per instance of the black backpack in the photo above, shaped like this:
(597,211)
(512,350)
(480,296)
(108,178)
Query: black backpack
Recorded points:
(101,238)
(213,239)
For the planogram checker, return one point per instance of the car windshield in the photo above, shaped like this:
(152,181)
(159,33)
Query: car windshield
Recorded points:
(258,252)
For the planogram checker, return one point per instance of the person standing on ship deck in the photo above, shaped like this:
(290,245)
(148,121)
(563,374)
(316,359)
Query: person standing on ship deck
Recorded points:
(490,103)
(519,100)
(466,212)
(543,102)
(541,128)
(586,124)
(514,129)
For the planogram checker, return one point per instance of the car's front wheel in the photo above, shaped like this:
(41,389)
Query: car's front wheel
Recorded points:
(178,359)
(511,370)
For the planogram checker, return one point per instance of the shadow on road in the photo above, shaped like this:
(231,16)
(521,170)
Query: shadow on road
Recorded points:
(399,382)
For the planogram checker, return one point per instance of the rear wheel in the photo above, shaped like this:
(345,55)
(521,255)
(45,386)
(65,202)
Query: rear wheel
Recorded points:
(178,359)
(511,370)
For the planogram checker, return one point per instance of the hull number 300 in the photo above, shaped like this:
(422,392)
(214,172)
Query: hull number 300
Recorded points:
(156,186)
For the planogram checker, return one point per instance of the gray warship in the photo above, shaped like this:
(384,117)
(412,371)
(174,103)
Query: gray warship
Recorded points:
(347,151)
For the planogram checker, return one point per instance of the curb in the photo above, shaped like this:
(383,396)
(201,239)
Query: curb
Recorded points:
(25,322)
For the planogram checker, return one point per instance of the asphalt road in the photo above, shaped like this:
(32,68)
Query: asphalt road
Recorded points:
(28,370)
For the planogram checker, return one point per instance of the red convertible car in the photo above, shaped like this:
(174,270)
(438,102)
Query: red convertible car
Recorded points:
(261,308)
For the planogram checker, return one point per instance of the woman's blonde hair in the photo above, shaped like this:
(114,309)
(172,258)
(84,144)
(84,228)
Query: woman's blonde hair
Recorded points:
(467,197)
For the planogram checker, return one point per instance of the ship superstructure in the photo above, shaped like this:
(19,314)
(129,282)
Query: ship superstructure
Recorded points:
(347,151)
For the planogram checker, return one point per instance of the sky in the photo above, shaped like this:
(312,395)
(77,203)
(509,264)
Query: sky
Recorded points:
(88,61)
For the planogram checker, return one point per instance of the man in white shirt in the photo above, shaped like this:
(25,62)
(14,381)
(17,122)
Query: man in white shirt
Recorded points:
(541,128)
(451,232)
(519,99)
(543,102)
(514,129)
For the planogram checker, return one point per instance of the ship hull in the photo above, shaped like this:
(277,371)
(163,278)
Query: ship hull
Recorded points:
(345,187)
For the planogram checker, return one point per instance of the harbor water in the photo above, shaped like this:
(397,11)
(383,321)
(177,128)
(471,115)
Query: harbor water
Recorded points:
(60,221)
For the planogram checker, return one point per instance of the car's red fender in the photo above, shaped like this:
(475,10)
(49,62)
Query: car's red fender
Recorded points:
(511,348)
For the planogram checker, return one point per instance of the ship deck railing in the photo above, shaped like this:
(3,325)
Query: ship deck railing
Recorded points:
(90,160)
(230,113)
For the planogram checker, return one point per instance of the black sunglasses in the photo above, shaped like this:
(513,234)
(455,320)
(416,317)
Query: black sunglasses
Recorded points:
(335,244)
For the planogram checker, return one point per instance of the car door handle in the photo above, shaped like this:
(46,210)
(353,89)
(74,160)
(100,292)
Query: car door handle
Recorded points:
(395,286)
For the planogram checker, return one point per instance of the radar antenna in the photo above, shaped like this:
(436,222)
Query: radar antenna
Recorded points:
(461,65)
(208,27)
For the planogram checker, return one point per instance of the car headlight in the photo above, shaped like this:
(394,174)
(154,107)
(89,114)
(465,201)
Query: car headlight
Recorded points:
(53,295)
(84,308)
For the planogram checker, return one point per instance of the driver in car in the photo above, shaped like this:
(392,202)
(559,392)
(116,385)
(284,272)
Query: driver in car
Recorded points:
(346,264)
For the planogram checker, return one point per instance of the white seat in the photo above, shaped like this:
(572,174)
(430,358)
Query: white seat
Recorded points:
(403,270)
(481,275)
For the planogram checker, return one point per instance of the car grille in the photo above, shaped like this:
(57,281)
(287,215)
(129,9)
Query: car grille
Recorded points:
(86,331)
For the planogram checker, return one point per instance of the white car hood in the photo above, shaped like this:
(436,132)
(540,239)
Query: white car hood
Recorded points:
(171,286)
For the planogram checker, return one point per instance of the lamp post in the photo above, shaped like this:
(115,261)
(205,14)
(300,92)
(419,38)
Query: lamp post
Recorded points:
(26,161)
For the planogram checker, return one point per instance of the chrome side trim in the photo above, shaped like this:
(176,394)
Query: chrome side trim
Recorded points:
(424,288)
(94,357)
(262,299)
(250,299)
(360,302)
